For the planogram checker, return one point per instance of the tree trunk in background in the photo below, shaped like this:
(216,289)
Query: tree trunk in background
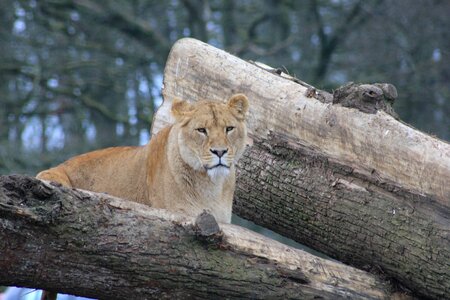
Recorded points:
(363,188)
(95,245)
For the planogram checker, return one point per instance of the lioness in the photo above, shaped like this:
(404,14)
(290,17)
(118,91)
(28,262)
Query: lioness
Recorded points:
(187,167)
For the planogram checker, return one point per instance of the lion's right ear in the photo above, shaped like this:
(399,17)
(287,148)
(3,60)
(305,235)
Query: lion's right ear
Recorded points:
(180,108)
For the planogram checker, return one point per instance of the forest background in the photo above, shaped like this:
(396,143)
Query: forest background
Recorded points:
(78,75)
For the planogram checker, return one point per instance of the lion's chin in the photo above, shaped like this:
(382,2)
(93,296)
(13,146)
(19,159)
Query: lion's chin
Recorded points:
(218,172)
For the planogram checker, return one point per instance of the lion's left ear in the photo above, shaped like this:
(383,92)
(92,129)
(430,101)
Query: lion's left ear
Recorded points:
(180,108)
(239,104)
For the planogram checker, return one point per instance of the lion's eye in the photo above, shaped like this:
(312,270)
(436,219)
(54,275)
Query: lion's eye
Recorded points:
(229,128)
(201,130)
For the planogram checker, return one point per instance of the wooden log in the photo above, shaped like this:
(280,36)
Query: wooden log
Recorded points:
(359,186)
(95,245)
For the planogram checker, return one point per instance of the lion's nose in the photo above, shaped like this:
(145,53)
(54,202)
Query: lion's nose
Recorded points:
(218,152)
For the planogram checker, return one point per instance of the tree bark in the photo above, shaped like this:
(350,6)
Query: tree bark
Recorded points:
(95,245)
(361,187)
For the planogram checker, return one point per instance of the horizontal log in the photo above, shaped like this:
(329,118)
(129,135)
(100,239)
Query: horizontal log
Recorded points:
(361,187)
(95,245)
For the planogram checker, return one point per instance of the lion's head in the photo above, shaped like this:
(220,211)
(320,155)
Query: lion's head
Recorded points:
(212,135)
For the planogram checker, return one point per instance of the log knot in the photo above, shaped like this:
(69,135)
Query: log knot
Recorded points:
(296,275)
(368,98)
(324,97)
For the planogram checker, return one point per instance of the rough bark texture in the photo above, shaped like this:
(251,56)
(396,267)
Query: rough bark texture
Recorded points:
(361,187)
(95,245)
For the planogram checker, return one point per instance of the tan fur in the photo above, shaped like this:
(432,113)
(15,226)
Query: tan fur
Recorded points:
(175,170)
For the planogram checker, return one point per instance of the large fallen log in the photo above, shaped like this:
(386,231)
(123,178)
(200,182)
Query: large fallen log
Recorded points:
(357,185)
(95,245)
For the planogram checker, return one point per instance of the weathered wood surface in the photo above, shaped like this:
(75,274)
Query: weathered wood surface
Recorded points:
(95,245)
(363,188)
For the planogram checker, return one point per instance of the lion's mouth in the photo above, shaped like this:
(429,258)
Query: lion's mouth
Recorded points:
(216,166)
(217,171)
